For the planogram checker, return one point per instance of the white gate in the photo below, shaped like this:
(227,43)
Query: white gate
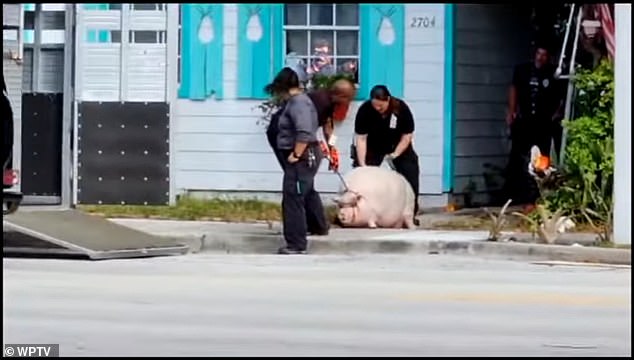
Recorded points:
(121,52)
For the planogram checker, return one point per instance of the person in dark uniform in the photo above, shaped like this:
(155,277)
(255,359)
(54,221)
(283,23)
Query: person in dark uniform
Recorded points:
(384,127)
(301,156)
(326,101)
(7,128)
(535,103)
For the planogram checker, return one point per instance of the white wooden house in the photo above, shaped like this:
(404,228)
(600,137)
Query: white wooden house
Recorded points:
(201,68)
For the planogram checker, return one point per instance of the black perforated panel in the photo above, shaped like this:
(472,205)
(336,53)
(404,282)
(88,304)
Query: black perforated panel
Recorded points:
(41,165)
(124,153)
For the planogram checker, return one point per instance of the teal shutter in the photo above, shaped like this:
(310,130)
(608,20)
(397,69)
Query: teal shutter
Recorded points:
(449,96)
(201,51)
(382,47)
(259,47)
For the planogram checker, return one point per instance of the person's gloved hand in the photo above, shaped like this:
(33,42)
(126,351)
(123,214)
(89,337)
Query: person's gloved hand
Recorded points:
(332,154)
(324,148)
(389,159)
(334,159)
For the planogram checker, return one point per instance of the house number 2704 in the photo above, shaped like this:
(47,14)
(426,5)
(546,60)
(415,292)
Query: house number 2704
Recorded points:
(423,22)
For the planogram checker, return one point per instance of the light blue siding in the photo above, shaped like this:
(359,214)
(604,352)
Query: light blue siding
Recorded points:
(221,146)
(485,57)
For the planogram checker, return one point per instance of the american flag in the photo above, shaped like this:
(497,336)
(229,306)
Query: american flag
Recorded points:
(604,15)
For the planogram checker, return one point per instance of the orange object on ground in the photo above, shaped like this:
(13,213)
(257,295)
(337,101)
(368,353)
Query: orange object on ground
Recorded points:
(541,163)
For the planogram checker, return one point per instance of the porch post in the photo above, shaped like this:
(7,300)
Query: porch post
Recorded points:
(623,125)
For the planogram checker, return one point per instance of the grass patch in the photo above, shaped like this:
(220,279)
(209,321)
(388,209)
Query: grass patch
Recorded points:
(483,222)
(614,246)
(234,210)
(230,210)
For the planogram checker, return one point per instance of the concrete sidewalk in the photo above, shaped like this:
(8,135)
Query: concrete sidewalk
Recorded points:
(262,238)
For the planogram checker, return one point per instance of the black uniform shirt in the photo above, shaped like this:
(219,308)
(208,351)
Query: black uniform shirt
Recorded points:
(384,131)
(323,104)
(538,92)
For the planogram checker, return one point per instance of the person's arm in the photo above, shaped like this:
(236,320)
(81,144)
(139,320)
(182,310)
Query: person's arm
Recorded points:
(328,130)
(511,111)
(362,148)
(361,134)
(406,127)
(304,118)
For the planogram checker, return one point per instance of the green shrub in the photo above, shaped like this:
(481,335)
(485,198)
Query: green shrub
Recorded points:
(325,81)
(589,161)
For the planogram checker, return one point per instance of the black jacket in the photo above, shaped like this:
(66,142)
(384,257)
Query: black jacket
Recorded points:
(7,127)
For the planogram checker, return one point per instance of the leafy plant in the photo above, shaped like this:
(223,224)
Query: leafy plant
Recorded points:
(267,109)
(320,81)
(548,225)
(498,221)
(317,81)
(585,192)
(603,216)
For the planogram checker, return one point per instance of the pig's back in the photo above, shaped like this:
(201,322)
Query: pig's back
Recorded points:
(383,189)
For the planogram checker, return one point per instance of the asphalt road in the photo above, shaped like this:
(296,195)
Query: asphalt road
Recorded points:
(223,305)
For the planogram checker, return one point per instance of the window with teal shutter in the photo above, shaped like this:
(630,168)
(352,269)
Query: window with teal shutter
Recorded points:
(201,51)
(259,47)
(363,40)
(382,47)
(322,38)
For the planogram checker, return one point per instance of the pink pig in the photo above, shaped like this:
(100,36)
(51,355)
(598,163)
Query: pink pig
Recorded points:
(376,197)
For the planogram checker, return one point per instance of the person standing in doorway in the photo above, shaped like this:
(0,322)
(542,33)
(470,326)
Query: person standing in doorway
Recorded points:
(300,155)
(534,108)
(384,128)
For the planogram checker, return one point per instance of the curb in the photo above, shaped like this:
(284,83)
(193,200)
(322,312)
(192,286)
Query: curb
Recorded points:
(268,244)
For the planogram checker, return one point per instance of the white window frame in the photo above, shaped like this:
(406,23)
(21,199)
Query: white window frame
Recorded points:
(334,28)
(179,57)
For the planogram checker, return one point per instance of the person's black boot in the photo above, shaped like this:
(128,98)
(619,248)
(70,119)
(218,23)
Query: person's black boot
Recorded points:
(286,251)
(323,232)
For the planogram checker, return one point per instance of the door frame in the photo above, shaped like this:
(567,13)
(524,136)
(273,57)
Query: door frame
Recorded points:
(65,198)
(68,98)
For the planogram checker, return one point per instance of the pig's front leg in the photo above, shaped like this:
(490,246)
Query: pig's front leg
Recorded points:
(372,222)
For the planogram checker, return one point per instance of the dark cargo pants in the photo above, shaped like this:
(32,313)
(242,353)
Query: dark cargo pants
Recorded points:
(299,197)
(315,215)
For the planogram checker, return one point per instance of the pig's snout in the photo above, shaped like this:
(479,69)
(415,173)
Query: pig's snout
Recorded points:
(346,215)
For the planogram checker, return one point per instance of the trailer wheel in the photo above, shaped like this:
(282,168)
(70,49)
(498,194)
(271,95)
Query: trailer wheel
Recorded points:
(9,207)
